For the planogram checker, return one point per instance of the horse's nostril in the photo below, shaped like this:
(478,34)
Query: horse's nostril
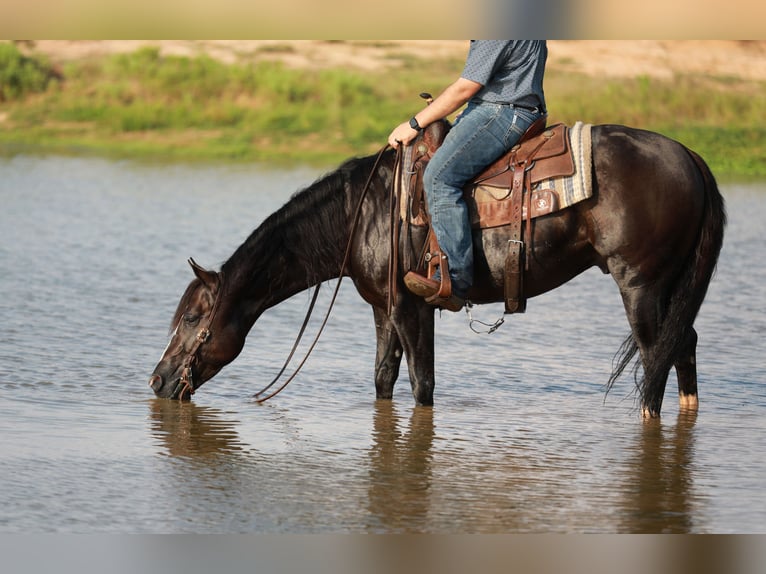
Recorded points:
(155,382)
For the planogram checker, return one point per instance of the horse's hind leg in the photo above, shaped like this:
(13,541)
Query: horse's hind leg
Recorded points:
(686,370)
(644,312)
(388,356)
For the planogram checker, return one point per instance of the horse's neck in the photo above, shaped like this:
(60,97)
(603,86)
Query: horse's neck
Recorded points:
(296,248)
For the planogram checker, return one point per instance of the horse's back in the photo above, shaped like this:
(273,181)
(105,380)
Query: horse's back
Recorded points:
(633,153)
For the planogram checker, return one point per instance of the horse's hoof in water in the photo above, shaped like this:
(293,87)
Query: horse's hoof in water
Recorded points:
(688,402)
(648,414)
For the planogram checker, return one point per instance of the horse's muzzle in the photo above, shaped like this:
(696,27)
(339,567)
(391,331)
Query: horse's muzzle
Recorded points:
(179,389)
(156,382)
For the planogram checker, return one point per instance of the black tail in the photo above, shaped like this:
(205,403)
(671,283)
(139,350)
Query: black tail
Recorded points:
(683,302)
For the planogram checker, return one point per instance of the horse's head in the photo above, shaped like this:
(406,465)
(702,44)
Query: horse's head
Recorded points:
(205,337)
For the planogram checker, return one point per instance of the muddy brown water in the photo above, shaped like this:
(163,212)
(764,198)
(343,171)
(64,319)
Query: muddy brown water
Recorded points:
(522,437)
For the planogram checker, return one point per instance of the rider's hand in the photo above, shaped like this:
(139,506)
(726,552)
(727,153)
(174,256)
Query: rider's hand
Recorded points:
(402,134)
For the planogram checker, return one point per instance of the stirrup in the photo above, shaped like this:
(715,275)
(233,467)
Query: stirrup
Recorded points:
(451,303)
(420,285)
(437,262)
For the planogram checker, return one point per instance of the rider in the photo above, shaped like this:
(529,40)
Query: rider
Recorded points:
(502,82)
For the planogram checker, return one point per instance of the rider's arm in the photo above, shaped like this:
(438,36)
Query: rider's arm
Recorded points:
(449,101)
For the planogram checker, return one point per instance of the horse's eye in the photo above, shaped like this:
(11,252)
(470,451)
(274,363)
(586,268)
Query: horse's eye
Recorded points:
(191,319)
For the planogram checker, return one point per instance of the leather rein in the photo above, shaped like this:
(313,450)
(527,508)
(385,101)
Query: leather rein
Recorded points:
(346,257)
(204,334)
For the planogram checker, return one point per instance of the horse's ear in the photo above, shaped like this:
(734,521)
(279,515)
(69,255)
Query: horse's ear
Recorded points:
(207,277)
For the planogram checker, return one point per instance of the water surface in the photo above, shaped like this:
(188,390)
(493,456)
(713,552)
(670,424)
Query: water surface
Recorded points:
(522,437)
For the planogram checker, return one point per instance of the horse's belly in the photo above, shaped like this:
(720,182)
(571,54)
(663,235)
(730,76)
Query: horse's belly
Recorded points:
(560,251)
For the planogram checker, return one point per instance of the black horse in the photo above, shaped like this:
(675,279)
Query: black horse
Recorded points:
(655,223)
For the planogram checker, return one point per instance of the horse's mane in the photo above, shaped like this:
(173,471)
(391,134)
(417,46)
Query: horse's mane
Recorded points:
(307,231)
(310,228)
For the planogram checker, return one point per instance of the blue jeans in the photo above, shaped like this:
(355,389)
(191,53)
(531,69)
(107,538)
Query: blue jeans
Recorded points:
(479,136)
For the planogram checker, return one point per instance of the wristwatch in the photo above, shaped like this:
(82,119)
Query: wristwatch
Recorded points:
(414,124)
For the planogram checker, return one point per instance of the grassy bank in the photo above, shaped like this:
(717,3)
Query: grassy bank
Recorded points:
(145,105)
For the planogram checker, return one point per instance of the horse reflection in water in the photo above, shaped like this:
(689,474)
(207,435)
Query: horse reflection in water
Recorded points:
(400,470)
(658,489)
(189,430)
(655,223)
(421,480)
(418,482)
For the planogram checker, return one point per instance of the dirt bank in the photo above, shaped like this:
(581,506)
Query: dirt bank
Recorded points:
(739,59)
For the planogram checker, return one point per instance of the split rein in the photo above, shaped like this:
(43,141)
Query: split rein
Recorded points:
(258,396)
(393,263)
(186,381)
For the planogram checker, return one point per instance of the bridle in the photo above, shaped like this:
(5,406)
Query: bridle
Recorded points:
(203,336)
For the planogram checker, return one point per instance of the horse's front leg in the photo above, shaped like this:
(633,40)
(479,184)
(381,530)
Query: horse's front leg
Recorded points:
(414,322)
(388,357)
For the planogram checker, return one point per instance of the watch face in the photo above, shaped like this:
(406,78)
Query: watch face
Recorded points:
(414,124)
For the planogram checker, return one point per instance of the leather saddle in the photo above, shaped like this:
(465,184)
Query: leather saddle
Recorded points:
(500,195)
(545,152)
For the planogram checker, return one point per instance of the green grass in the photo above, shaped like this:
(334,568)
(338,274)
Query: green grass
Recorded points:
(719,118)
(146,105)
(21,75)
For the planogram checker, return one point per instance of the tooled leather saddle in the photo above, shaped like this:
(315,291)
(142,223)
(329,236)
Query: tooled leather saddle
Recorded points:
(500,195)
